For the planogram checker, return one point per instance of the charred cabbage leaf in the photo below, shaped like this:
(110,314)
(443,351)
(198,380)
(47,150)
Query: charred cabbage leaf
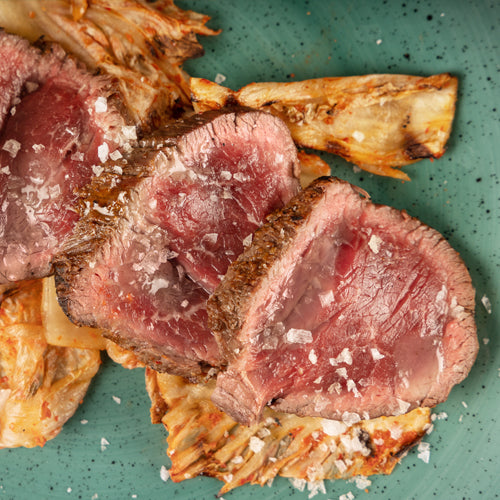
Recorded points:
(141,44)
(41,385)
(378,122)
(203,440)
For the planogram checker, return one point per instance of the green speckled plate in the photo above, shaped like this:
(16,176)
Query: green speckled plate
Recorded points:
(458,195)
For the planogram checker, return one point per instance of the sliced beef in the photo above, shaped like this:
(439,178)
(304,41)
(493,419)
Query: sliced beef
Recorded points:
(56,124)
(161,226)
(343,309)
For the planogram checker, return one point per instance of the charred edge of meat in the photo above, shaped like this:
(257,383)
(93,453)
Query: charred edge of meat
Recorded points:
(64,288)
(47,47)
(193,371)
(227,306)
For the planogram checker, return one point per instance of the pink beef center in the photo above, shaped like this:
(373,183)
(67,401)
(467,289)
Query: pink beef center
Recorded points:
(375,314)
(56,148)
(147,298)
(209,218)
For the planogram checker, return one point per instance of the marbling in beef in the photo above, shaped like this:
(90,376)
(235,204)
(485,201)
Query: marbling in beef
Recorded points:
(343,309)
(57,123)
(161,226)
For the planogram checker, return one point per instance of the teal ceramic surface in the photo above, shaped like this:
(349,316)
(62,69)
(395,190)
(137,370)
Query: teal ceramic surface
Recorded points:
(458,195)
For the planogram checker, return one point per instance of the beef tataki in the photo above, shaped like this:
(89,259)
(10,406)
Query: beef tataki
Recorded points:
(343,309)
(162,225)
(57,122)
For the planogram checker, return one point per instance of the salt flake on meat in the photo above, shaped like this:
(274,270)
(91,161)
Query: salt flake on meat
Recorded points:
(350,418)
(326,298)
(101,105)
(247,241)
(374,243)
(211,238)
(97,170)
(12,147)
(129,132)
(115,155)
(345,356)
(298,336)
(103,152)
(158,284)
(404,406)
(313,358)
(376,354)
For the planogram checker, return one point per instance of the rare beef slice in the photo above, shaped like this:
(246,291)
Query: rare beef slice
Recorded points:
(343,309)
(57,123)
(161,225)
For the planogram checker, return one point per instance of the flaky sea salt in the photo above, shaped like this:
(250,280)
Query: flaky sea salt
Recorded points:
(298,483)
(101,105)
(326,298)
(103,152)
(164,473)
(345,356)
(333,427)
(358,136)
(12,147)
(298,336)
(404,406)
(350,418)
(362,482)
(424,451)
(97,170)
(486,303)
(115,155)
(104,443)
(374,243)
(129,132)
(376,354)
(315,487)
(313,358)
(256,444)
(347,496)
(248,240)
(219,78)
